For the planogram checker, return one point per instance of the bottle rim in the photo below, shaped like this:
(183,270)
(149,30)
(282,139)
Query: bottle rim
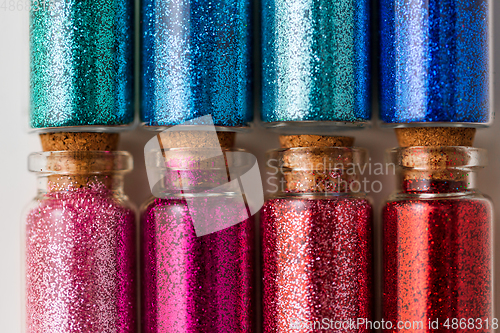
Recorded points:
(189,158)
(80,162)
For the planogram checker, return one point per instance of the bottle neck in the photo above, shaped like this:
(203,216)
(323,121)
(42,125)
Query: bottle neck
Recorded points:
(437,170)
(197,171)
(179,182)
(334,181)
(107,184)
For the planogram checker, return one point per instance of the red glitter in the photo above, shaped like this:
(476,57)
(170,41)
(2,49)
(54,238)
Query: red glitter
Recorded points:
(438,261)
(317,257)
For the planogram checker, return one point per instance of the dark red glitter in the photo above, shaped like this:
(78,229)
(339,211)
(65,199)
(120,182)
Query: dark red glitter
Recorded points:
(317,257)
(438,262)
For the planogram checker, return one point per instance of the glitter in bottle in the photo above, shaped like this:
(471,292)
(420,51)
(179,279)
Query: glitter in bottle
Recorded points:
(315,62)
(194,282)
(190,283)
(81,64)
(316,246)
(435,62)
(317,262)
(79,251)
(196,62)
(438,243)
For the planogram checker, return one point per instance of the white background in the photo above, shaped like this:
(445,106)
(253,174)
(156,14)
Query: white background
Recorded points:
(17,186)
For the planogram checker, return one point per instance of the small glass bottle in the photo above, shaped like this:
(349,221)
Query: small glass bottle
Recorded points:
(197,248)
(79,249)
(437,242)
(317,242)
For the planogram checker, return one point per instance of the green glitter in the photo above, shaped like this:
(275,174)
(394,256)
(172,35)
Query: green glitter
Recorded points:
(81,64)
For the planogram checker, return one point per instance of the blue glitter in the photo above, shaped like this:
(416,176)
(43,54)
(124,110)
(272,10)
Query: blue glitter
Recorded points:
(196,62)
(315,61)
(435,62)
(81,64)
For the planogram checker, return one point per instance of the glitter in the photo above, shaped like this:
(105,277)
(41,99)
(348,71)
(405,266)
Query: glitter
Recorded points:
(437,260)
(317,261)
(195,284)
(435,62)
(81,64)
(80,263)
(315,61)
(316,238)
(196,62)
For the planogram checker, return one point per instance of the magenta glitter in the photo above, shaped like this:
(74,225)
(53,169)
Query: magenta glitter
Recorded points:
(195,284)
(80,263)
(437,243)
(317,257)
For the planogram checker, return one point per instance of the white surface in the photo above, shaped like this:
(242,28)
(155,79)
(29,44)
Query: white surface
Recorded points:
(17,186)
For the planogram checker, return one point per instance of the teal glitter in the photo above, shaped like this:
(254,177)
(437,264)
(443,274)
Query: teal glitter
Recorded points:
(315,61)
(81,63)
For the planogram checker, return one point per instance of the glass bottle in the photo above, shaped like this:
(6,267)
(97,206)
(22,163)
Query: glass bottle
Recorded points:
(79,238)
(317,241)
(437,242)
(196,244)
(82,69)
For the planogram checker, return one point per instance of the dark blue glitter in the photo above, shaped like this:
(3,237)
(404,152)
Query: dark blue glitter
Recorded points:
(315,61)
(435,61)
(196,62)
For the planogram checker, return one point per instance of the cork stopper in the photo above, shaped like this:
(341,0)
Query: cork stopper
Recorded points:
(65,141)
(197,145)
(294,141)
(316,157)
(317,167)
(84,163)
(435,136)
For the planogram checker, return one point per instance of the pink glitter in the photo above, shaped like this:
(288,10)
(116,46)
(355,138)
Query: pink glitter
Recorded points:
(195,284)
(80,264)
